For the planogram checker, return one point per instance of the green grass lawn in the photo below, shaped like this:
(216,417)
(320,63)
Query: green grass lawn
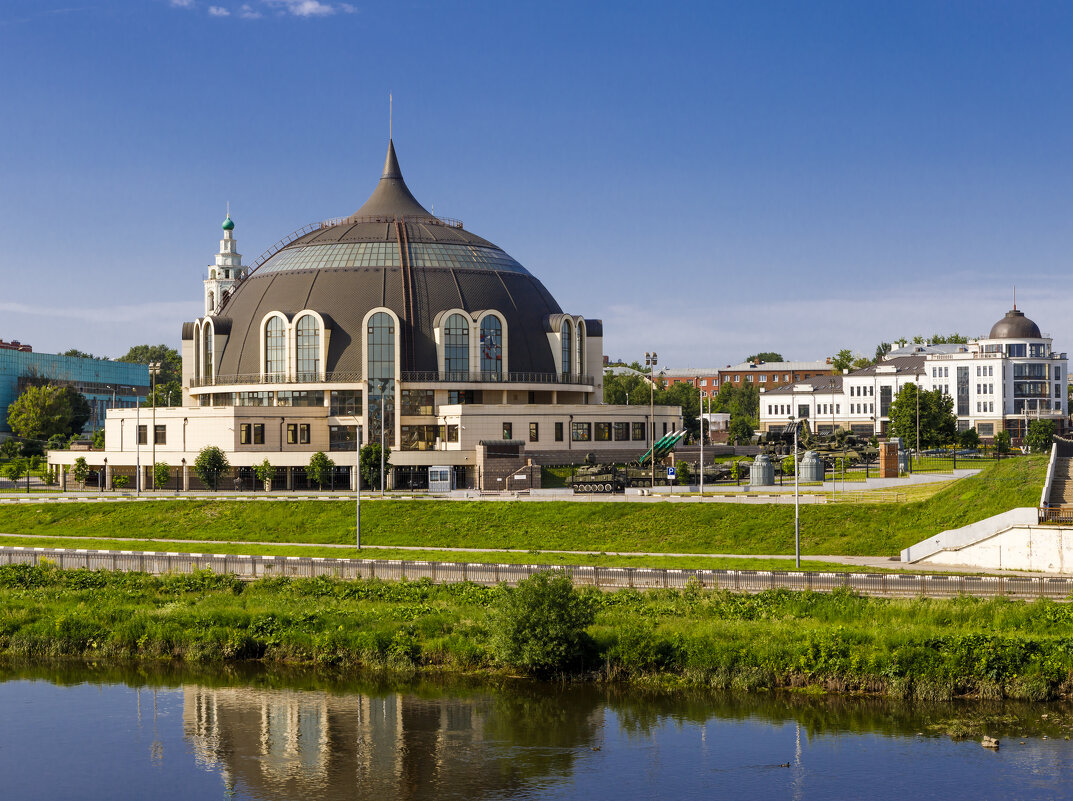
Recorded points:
(851,529)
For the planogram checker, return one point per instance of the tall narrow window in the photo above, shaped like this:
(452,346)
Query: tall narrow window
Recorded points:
(456,348)
(206,353)
(491,348)
(308,346)
(381,357)
(581,349)
(275,348)
(564,335)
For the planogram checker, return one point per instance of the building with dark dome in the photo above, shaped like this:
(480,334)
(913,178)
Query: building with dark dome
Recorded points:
(391,324)
(997,383)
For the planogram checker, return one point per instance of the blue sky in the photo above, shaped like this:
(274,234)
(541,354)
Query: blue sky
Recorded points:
(710,179)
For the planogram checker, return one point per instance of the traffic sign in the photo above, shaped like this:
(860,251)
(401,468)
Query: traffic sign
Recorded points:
(671,474)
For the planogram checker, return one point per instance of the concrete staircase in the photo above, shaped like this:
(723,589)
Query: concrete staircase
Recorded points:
(1061,482)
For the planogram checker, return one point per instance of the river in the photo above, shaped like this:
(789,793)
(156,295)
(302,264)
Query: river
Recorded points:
(101,733)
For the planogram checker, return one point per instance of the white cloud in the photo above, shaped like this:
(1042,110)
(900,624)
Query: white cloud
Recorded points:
(182,3)
(218,11)
(308,8)
(247,12)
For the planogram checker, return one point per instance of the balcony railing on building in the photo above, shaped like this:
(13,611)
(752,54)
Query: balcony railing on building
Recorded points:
(418,376)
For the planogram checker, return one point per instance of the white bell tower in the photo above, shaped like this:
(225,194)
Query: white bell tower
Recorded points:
(226,272)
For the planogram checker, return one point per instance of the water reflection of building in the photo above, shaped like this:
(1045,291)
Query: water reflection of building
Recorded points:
(307,744)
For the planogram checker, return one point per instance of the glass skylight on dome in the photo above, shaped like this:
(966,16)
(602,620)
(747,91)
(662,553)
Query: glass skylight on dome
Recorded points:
(386,254)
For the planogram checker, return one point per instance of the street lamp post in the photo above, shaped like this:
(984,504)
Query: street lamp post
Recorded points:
(797,499)
(357,479)
(702,448)
(651,359)
(154,370)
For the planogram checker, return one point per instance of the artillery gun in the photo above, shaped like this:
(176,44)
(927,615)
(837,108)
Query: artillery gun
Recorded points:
(596,476)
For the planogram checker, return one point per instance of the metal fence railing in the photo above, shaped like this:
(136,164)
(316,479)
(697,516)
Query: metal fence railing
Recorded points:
(609,578)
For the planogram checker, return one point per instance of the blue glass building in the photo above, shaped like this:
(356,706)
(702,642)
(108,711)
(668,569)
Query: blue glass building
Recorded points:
(105,384)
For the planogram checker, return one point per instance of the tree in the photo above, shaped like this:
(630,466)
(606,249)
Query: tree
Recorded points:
(210,462)
(938,424)
(98,439)
(860,362)
(618,389)
(161,474)
(171,370)
(843,360)
(370,463)
(75,352)
(969,438)
(58,442)
(10,448)
(80,471)
(688,397)
(1002,442)
(320,469)
(39,413)
(1040,435)
(540,625)
(882,349)
(79,406)
(739,430)
(265,472)
(120,482)
(765,356)
(16,468)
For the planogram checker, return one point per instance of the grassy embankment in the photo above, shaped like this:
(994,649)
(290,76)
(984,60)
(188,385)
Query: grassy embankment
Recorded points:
(533,526)
(907,648)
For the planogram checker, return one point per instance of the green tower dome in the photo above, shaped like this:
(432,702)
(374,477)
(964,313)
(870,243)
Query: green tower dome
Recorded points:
(229,224)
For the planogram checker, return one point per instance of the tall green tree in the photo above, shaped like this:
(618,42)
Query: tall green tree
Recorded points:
(80,471)
(79,406)
(938,424)
(843,360)
(739,431)
(1040,435)
(208,466)
(320,469)
(765,356)
(40,412)
(370,463)
(171,371)
(882,349)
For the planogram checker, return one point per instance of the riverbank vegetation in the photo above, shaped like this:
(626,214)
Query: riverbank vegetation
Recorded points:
(925,649)
(849,529)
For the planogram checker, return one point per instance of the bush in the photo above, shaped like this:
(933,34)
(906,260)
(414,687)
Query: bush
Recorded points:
(539,626)
(161,474)
(320,469)
(120,482)
(1002,442)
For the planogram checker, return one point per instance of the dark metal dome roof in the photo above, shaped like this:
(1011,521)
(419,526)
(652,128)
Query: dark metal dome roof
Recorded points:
(390,253)
(1015,326)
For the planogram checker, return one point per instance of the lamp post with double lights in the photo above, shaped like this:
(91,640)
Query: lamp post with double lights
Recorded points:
(154,371)
(651,359)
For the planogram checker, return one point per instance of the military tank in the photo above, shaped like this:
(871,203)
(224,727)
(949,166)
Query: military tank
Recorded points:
(594,476)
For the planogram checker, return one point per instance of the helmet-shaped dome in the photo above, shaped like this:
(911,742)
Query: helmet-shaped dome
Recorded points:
(391,253)
(229,224)
(1015,326)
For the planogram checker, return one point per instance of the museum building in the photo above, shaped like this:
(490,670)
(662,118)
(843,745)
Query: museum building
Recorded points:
(388,325)
(1000,382)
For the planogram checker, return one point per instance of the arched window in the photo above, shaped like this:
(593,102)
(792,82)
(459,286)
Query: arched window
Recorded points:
(381,357)
(456,348)
(308,347)
(206,353)
(491,347)
(197,350)
(275,347)
(581,348)
(565,336)
(212,302)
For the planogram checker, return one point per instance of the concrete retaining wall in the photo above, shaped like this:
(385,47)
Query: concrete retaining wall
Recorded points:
(958,539)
